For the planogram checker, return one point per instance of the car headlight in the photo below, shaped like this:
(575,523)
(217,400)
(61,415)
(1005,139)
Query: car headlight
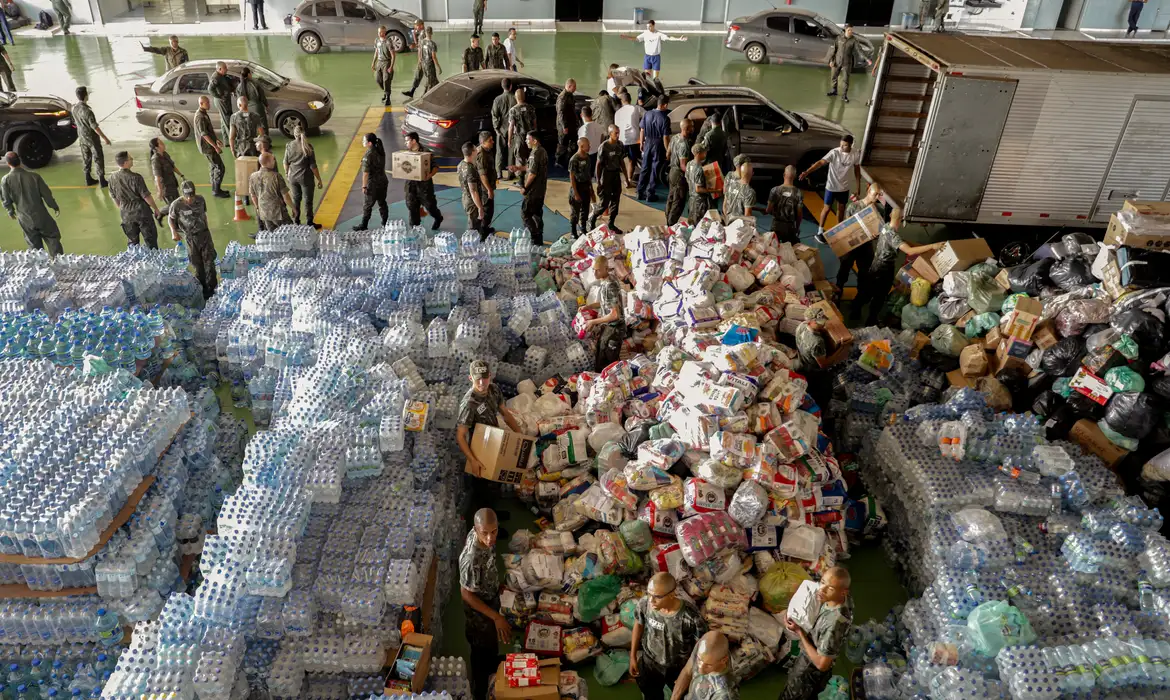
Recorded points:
(64,122)
(316,104)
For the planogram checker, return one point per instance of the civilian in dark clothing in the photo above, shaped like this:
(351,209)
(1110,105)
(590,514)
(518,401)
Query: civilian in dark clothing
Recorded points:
(654,138)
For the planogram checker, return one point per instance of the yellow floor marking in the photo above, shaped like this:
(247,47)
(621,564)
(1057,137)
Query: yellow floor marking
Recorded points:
(347,170)
(814,203)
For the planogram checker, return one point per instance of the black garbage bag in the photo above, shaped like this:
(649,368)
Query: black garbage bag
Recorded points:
(1030,278)
(1060,421)
(1071,273)
(1047,403)
(1084,407)
(1063,359)
(1160,386)
(1015,379)
(1145,328)
(933,358)
(630,441)
(1133,414)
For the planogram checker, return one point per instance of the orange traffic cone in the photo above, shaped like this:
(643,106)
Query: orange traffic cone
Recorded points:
(241,212)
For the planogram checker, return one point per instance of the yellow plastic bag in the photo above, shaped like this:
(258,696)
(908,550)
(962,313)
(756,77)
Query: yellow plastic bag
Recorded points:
(919,292)
(779,584)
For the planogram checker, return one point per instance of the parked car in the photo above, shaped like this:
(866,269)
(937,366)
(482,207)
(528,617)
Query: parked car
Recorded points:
(348,24)
(170,101)
(34,126)
(790,35)
(457,109)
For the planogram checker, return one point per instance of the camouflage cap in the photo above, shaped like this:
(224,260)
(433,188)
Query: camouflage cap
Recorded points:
(480,369)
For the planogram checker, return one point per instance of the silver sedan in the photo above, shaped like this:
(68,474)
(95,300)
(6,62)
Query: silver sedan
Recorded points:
(348,24)
(170,101)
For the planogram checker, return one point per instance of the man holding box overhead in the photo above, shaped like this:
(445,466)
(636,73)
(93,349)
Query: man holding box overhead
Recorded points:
(479,586)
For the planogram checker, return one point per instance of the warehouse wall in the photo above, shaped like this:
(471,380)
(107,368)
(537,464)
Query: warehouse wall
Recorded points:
(711,10)
(1111,14)
(497,9)
(82,14)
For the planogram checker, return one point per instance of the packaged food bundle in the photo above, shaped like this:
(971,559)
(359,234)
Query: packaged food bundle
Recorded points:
(641,476)
(702,497)
(780,479)
(763,417)
(786,389)
(789,440)
(669,558)
(517,607)
(555,542)
(569,448)
(737,449)
(614,632)
(726,610)
(579,643)
(576,486)
(710,397)
(615,485)
(613,554)
(567,516)
(543,569)
(555,607)
(596,504)
(610,456)
(749,504)
(661,453)
(719,474)
(750,658)
(521,542)
(556,424)
(703,536)
(543,638)
(668,497)
(660,520)
(636,534)
(580,569)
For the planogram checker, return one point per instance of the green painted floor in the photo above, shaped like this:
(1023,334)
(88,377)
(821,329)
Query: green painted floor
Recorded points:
(109,67)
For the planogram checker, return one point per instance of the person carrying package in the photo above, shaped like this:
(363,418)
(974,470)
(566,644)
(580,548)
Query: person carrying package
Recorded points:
(844,173)
(874,284)
(680,154)
(739,195)
(612,319)
(701,198)
(665,627)
(819,648)
(811,347)
(707,675)
(479,587)
(483,403)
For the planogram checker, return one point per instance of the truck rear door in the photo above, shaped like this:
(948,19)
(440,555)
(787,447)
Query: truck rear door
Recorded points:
(1140,168)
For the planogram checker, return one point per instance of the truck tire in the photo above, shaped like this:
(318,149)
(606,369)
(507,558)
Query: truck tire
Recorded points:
(34,149)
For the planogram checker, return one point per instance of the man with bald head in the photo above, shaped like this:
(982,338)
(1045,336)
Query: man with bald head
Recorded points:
(245,126)
(820,646)
(707,675)
(270,194)
(665,630)
(479,586)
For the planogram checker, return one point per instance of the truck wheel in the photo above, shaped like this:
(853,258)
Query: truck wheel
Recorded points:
(755,52)
(34,149)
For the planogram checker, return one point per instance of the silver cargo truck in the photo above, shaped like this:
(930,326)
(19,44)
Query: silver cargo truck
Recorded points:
(1026,132)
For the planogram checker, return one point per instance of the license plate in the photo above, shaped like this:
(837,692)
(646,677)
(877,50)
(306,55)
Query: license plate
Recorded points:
(419,123)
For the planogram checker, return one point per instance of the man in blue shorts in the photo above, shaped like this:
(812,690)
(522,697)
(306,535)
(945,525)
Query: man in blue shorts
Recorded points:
(844,174)
(652,39)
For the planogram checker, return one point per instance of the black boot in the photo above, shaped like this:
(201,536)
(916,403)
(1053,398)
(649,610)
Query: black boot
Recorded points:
(89,181)
(408,93)
(222,194)
(436,223)
(103,182)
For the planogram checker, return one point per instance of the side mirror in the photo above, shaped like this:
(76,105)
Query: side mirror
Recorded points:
(786,129)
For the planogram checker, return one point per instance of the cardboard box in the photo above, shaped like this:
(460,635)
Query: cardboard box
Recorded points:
(245,166)
(1002,280)
(958,379)
(714,176)
(839,342)
(825,287)
(999,364)
(854,232)
(991,340)
(1024,318)
(549,688)
(1013,347)
(506,456)
(1117,235)
(830,309)
(961,323)
(812,258)
(1086,434)
(421,667)
(973,361)
(921,340)
(410,165)
(1091,386)
(1043,337)
(923,267)
(960,255)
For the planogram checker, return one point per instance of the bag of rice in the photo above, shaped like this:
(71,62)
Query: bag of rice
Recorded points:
(660,520)
(579,643)
(614,633)
(668,497)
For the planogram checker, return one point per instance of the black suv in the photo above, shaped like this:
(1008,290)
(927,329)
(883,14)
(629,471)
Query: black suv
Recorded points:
(34,126)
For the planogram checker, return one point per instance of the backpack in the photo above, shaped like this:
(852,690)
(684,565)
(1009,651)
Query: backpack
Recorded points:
(45,20)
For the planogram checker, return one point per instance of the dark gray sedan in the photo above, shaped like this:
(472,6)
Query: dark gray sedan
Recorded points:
(348,24)
(791,35)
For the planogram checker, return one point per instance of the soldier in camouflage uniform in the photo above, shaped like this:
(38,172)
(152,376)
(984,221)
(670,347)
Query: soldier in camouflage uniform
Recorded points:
(221,89)
(485,163)
(134,201)
(611,319)
(679,155)
(479,583)
(166,174)
(665,630)
(534,189)
(210,146)
(819,649)
(610,171)
(603,109)
(739,195)
(786,205)
(383,63)
(428,63)
(701,196)
(64,10)
(581,194)
(270,194)
(568,122)
(25,195)
(473,55)
(707,675)
(477,10)
(421,193)
(88,135)
(374,181)
(188,215)
(245,126)
(842,54)
(521,120)
(472,188)
(417,36)
(811,347)
(496,55)
(174,54)
(257,97)
(715,139)
(501,106)
(300,165)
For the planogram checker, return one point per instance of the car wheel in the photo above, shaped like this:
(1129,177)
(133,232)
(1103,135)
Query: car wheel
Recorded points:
(174,127)
(310,42)
(398,42)
(289,122)
(755,53)
(34,149)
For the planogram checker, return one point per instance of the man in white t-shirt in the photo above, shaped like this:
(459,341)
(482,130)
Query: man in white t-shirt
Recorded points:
(513,50)
(594,132)
(652,40)
(844,174)
(628,119)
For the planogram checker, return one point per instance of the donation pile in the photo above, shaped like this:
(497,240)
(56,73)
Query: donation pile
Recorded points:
(700,452)
(1035,576)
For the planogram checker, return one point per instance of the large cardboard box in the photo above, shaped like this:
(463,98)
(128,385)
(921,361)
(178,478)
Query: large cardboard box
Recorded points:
(839,342)
(505,455)
(1023,320)
(1117,235)
(1043,336)
(854,232)
(714,176)
(960,380)
(245,166)
(421,666)
(960,255)
(812,258)
(924,269)
(549,688)
(410,165)
(1086,434)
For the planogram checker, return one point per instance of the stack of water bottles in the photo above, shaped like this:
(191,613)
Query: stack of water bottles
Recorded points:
(1027,560)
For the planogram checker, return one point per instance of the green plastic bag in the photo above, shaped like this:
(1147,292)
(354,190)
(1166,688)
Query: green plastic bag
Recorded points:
(1117,438)
(918,318)
(1061,386)
(1127,346)
(836,689)
(661,431)
(611,666)
(636,534)
(995,625)
(561,247)
(629,611)
(595,594)
(985,295)
(1009,304)
(545,281)
(1124,379)
(779,585)
(979,325)
(948,340)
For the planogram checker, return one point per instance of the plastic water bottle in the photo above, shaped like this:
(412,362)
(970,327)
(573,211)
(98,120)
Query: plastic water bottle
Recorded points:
(108,628)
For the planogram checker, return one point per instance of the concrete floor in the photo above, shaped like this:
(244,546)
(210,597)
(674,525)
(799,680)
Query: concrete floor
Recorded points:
(109,66)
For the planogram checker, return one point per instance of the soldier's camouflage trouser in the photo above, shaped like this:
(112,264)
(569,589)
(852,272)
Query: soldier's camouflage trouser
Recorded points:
(432,78)
(92,153)
(502,152)
(215,170)
(375,195)
(473,220)
(609,345)
(477,13)
(579,211)
(40,240)
(841,73)
(141,229)
(676,197)
(421,194)
(225,117)
(273,224)
(489,212)
(609,196)
(519,153)
(384,79)
(805,681)
(302,190)
(699,205)
(201,250)
(532,215)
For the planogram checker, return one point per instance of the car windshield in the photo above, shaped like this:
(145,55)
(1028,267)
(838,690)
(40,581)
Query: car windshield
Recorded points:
(448,94)
(379,7)
(266,76)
